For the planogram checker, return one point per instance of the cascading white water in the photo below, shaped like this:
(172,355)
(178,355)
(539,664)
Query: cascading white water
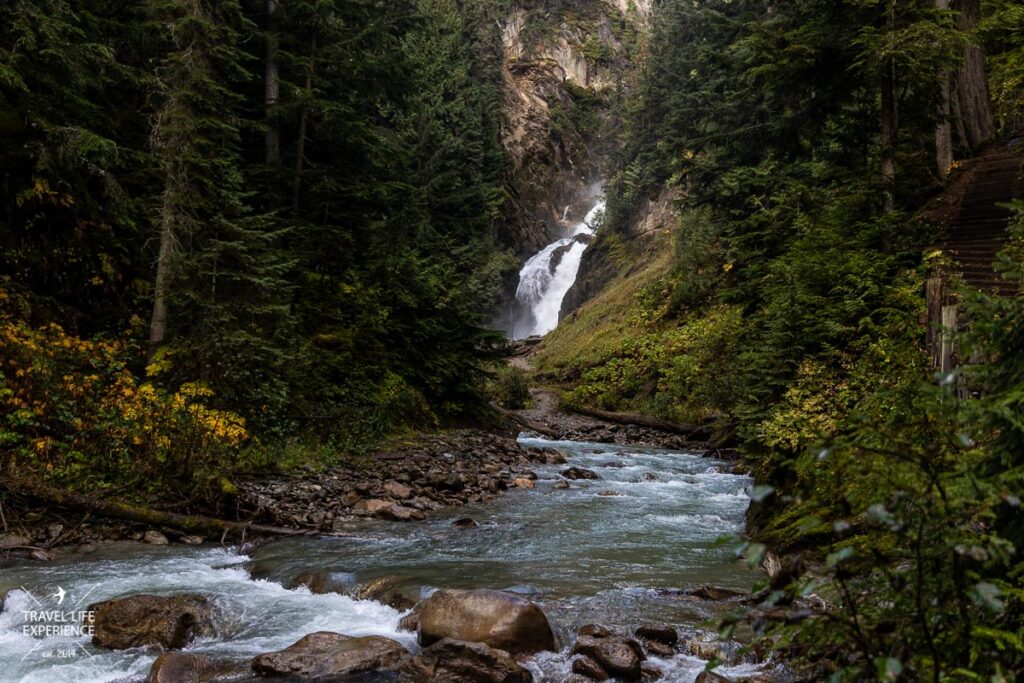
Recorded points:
(544,282)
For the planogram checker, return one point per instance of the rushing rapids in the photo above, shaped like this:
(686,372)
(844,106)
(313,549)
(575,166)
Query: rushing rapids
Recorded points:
(612,550)
(548,275)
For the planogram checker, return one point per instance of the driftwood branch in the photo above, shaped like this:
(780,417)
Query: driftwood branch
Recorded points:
(643,421)
(524,421)
(197,524)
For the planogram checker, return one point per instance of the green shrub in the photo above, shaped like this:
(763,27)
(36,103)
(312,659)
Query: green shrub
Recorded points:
(511,388)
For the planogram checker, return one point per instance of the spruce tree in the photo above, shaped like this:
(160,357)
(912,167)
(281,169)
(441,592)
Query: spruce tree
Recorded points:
(221,292)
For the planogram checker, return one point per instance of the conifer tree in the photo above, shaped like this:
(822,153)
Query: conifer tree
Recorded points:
(220,294)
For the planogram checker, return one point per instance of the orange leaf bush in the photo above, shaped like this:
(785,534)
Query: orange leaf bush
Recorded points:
(74,414)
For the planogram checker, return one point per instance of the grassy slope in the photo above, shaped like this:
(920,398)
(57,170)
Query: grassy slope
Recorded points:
(592,333)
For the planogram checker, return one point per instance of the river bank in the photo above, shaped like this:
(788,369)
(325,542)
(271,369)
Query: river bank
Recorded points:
(407,481)
(623,549)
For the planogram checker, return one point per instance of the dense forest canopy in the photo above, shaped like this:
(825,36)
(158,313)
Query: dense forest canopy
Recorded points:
(293,204)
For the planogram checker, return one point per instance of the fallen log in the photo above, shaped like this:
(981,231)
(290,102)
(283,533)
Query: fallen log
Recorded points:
(524,421)
(197,524)
(642,421)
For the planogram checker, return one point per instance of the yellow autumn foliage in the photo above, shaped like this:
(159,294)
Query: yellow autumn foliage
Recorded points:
(73,411)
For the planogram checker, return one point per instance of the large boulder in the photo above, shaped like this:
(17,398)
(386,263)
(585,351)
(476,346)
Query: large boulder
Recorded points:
(167,621)
(500,620)
(178,667)
(455,661)
(327,655)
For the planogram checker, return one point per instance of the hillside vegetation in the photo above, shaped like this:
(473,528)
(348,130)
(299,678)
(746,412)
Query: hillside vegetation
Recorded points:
(802,140)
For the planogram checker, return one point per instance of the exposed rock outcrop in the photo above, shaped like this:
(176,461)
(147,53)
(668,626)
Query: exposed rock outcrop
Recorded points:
(557,64)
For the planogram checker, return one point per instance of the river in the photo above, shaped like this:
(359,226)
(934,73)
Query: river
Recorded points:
(610,551)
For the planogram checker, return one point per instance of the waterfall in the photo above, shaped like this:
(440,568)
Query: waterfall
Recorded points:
(549,274)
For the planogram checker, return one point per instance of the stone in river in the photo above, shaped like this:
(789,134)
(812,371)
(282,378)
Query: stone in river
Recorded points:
(324,654)
(620,657)
(707,647)
(392,590)
(555,458)
(410,622)
(650,672)
(658,649)
(580,473)
(455,661)
(711,677)
(523,483)
(586,666)
(371,506)
(465,523)
(170,622)
(500,620)
(663,633)
(400,513)
(713,593)
(323,582)
(397,490)
(154,538)
(561,484)
(595,630)
(178,667)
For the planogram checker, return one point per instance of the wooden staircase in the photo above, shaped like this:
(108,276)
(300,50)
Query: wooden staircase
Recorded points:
(974,225)
(979,229)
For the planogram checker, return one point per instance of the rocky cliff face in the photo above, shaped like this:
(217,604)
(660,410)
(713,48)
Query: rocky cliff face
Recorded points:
(563,68)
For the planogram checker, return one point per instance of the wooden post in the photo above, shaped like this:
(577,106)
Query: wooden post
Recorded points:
(949,327)
(934,293)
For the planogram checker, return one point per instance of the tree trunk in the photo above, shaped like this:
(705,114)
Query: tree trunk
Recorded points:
(524,421)
(889,136)
(272,87)
(943,127)
(972,103)
(889,121)
(158,323)
(644,421)
(300,147)
(133,513)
